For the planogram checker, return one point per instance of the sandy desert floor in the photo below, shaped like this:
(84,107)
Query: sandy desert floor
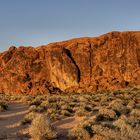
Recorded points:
(10,126)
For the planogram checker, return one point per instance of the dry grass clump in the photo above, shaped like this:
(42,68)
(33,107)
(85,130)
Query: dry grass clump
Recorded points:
(41,129)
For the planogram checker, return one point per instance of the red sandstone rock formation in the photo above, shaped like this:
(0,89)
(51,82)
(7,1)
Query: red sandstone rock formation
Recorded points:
(110,61)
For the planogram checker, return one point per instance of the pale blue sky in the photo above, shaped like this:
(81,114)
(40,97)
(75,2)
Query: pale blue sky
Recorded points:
(38,22)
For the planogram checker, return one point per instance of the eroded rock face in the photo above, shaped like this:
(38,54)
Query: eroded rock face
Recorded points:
(110,61)
(63,71)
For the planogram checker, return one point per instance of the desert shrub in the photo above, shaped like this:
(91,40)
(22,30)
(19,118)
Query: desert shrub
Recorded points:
(51,110)
(118,107)
(104,101)
(10,97)
(129,133)
(108,125)
(28,118)
(97,99)
(37,101)
(105,132)
(72,104)
(75,100)
(105,114)
(138,106)
(55,117)
(117,92)
(125,131)
(121,122)
(83,99)
(25,121)
(66,113)
(88,108)
(3,106)
(98,137)
(133,121)
(33,108)
(78,134)
(41,129)
(96,109)
(44,104)
(131,104)
(69,109)
(81,112)
(27,98)
(135,113)
(54,114)
(64,106)
(54,99)
(54,105)
(82,131)
(40,109)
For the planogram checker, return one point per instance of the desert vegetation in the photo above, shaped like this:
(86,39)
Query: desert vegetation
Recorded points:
(3,106)
(104,115)
(3,102)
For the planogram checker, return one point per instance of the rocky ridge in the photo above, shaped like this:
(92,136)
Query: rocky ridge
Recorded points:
(108,62)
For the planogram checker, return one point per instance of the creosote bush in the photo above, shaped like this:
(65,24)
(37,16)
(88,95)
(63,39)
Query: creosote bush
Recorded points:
(41,129)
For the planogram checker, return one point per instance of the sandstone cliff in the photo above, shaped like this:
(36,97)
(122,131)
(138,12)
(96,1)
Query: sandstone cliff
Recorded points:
(110,61)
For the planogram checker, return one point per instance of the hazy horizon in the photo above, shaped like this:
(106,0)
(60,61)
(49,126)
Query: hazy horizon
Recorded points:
(35,23)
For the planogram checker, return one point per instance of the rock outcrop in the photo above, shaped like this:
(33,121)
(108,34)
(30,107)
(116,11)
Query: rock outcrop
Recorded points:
(107,62)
